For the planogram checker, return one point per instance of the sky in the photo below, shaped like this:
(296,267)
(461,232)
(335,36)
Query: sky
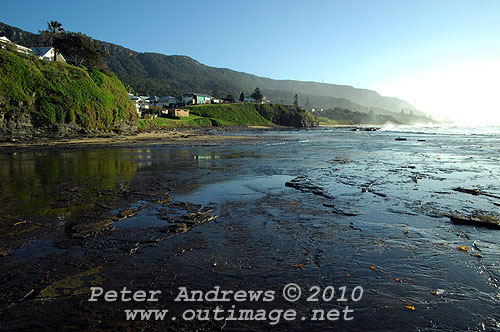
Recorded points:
(442,56)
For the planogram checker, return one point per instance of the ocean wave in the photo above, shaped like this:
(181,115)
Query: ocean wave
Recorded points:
(430,129)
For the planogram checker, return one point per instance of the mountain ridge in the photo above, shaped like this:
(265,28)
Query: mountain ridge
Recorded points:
(150,73)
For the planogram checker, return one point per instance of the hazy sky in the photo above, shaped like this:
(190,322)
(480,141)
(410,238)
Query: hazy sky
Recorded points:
(441,56)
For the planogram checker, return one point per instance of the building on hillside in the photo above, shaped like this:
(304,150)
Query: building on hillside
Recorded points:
(249,100)
(167,101)
(264,100)
(153,100)
(178,112)
(196,99)
(216,100)
(47,53)
(6,44)
(140,103)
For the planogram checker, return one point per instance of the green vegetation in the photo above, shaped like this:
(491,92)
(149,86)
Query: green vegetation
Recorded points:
(231,114)
(287,115)
(257,95)
(255,115)
(185,122)
(328,122)
(79,49)
(53,94)
(345,117)
(235,115)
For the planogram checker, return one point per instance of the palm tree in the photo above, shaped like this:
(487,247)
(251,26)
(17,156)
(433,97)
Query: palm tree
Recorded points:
(53,29)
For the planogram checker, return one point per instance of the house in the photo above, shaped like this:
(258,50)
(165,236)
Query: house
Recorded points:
(264,100)
(196,99)
(153,100)
(178,112)
(47,53)
(249,100)
(6,44)
(167,101)
(140,103)
(217,100)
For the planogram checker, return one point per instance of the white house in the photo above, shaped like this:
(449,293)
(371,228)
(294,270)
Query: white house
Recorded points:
(139,102)
(47,53)
(5,43)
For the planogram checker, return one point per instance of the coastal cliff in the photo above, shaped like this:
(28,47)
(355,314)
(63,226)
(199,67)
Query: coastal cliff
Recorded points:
(41,98)
(255,115)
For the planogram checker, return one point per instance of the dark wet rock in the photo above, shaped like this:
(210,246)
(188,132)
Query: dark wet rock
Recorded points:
(164,200)
(177,228)
(339,211)
(86,229)
(400,139)
(481,220)
(5,251)
(127,213)
(189,207)
(365,129)
(475,192)
(301,183)
(339,160)
(351,225)
(349,214)
(76,284)
(131,249)
(367,188)
(197,218)
(468,191)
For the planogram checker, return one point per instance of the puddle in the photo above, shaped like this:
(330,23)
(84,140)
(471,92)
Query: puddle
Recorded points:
(36,249)
(237,190)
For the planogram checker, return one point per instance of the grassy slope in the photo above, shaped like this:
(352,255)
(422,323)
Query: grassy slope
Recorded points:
(231,114)
(187,122)
(339,116)
(57,93)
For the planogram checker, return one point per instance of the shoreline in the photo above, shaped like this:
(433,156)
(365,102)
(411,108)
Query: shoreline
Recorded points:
(210,136)
(198,136)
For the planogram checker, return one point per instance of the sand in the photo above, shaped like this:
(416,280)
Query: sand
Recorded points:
(143,138)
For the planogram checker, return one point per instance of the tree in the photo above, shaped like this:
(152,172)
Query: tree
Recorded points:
(229,98)
(53,29)
(80,49)
(242,97)
(296,101)
(215,91)
(307,105)
(257,95)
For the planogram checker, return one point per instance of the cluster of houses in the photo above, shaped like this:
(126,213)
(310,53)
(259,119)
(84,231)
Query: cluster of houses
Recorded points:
(44,53)
(153,106)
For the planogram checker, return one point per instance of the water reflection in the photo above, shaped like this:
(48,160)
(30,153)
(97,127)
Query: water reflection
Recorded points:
(47,183)
(67,183)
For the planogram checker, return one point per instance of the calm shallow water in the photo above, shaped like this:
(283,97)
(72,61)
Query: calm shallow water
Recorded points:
(399,229)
